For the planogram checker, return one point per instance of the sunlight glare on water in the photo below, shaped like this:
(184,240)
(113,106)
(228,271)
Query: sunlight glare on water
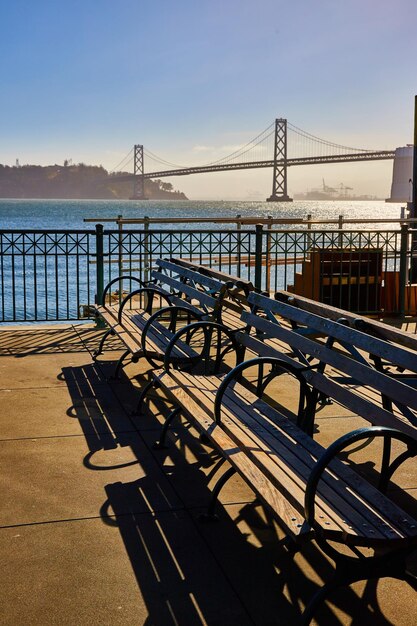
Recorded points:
(70,214)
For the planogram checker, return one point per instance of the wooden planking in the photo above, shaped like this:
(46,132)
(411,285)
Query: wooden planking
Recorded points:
(258,428)
(381,330)
(190,296)
(217,274)
(291,518)
(187,289)
(358,371)
(191,273)
(400,355)
(285,455)
(387,522)
(349,397)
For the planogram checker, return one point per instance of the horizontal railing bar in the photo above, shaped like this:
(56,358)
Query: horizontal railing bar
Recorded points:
(246,220)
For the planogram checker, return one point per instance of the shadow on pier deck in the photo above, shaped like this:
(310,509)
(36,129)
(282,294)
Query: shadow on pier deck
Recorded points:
(98,528)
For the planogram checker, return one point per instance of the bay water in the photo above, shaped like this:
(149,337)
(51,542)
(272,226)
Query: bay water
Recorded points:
(37,285)
(20,214)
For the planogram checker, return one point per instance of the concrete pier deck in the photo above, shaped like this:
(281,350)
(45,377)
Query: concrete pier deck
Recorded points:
(98,528)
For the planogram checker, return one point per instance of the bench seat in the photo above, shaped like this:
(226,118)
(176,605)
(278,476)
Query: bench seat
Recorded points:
(172,286)
(276,458)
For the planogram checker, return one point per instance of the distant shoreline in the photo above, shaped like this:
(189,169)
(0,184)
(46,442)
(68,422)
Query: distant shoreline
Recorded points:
(326,198)
(75,182)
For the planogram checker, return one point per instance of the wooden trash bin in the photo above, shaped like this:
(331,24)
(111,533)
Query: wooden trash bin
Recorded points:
(346,278)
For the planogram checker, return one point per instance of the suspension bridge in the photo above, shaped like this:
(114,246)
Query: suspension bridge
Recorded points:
(280,146)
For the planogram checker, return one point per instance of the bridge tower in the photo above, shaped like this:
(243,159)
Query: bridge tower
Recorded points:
(279,180)
(138,171)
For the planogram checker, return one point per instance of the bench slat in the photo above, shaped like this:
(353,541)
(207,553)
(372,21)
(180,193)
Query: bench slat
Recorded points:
(187,289)
(352,399)
(291,519)
(400,356)
(190,272)
(288,465)
(340,361)
(384,331)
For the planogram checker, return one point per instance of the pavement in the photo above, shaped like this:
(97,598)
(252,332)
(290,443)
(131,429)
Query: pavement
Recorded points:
(99,528)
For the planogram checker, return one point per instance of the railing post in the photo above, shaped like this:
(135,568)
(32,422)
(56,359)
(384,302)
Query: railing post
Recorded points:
(120,256)
(239,244)
(340,227)
(258,255)
(146,256)
(99,270)
(268,255)
(309,239)
(403,269)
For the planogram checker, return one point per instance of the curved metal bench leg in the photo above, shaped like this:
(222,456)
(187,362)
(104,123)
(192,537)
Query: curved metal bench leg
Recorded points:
(161,445)
(391,469)
(99,350)
(318,599)
(350,570)
(116,375)
(142,396)
(210,515)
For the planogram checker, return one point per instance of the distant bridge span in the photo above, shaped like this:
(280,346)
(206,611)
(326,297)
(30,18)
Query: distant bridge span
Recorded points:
(279,163)
(382,155)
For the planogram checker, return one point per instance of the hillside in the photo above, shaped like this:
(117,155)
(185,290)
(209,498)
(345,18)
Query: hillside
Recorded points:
(74,181)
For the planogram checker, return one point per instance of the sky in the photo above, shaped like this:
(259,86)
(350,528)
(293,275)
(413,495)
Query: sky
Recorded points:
(193,79)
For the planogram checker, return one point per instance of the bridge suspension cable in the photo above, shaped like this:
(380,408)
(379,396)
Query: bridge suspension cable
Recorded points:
(256,141)
(124,162)
(302,144)
(261,144)
(279,146)
(153,157)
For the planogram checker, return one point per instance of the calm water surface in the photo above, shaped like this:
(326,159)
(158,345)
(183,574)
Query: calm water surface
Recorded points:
(70,214)
(41,287)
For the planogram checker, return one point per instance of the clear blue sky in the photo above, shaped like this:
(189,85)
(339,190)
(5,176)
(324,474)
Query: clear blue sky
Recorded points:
(87,79)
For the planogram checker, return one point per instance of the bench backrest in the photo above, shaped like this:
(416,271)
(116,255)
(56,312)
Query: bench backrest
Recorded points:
(224,295)
(188,284)
(274,337)
(246,285)
(365,324)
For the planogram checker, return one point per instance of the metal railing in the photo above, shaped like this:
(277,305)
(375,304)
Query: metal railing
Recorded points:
(46,275)
(58,275)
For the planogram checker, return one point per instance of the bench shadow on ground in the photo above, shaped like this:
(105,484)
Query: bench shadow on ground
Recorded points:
(25,341)
(234,571)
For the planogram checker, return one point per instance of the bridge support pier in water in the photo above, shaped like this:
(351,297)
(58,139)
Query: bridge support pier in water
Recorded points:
(279,177)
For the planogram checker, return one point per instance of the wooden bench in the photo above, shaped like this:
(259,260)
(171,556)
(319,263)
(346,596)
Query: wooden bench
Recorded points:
(146,318)
(381,386)
(308,490)
(237,298)
(367,325)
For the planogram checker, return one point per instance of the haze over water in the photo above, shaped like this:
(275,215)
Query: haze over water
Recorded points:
(19,214)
